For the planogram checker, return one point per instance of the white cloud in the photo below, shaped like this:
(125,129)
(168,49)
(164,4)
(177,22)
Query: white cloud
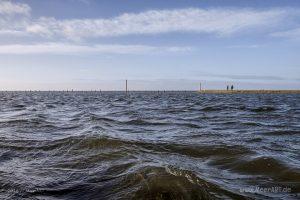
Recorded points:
(9,8)
(14,17)
(251,46)
(217,21)
(62,48)
(291,34)
(12,33)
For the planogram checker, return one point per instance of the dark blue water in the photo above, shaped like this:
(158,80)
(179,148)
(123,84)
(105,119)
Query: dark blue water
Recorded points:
(149,145)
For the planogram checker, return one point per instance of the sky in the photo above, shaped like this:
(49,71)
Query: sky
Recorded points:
(156,45)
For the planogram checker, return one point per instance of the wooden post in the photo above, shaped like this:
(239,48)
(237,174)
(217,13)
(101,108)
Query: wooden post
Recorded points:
(126,86)
(200,86)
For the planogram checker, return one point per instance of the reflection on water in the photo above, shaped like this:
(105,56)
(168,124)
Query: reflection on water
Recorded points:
(148,145)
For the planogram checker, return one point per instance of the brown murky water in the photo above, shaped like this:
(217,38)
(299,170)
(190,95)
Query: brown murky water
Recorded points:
(149,145)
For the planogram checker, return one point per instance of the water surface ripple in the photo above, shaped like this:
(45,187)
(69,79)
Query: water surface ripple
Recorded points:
(148,145)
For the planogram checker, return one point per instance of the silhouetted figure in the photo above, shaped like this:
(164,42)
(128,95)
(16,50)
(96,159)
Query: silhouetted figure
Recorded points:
(227,87)
(231,87)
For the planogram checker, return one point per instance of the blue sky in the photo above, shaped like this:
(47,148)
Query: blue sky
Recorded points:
(167,45)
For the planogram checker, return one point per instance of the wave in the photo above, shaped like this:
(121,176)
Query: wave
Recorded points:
(263,109)
(141,122)
(125,181)
(147,145)
(211,108)
(281,132)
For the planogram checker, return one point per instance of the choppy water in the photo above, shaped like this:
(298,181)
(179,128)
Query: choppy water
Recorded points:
(173,145)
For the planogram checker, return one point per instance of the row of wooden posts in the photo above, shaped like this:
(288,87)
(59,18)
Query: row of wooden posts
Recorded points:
(126,87)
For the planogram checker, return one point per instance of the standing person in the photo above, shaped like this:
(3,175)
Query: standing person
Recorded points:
(231,87)
(227,87)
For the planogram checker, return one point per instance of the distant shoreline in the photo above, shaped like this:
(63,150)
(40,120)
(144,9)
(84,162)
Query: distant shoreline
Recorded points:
(249,91)
(163,91)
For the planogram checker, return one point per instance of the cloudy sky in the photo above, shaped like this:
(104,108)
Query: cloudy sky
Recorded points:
(170,44)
